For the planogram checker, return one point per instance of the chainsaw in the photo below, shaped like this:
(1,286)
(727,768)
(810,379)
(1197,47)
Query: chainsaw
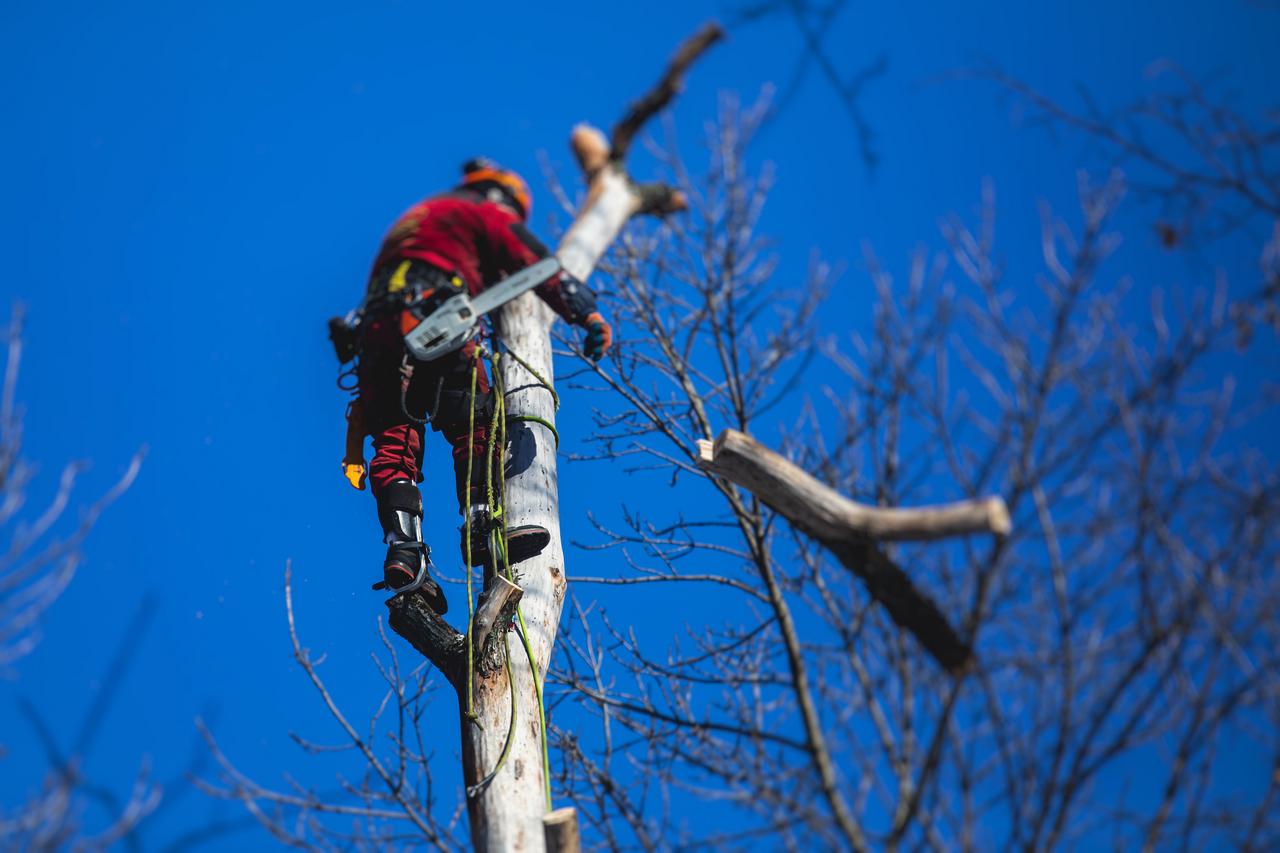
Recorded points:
(450,326)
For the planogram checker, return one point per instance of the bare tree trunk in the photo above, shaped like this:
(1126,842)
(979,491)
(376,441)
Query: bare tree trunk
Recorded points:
(506,808)
(507,813)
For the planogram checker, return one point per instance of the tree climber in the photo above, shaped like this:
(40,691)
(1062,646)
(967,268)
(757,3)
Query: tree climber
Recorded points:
(468,238)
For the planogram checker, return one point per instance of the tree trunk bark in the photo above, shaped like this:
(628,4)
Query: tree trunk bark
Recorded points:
(507,814)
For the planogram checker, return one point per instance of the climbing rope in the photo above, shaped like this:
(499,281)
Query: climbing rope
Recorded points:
(541,380)
(555,398)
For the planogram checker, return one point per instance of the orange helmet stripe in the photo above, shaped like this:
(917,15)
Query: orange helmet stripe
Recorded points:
(510,180)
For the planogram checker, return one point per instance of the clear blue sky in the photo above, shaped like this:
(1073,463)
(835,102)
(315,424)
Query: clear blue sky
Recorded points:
(190,190)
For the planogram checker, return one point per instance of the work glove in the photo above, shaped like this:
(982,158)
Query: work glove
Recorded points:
(599,336)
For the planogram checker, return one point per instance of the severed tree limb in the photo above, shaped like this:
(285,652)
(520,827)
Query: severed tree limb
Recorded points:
(827,514)
(850,531)
(909,608)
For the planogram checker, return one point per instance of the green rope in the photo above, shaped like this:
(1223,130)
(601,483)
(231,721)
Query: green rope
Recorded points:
(542,709)
(555,398)
(534,419)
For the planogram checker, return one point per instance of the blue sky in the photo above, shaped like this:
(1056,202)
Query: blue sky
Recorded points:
(190,190)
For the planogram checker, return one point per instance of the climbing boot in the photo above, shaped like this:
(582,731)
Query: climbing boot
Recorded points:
(406,568)
(522,542)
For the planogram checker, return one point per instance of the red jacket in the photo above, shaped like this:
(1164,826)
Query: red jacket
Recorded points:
(481,241)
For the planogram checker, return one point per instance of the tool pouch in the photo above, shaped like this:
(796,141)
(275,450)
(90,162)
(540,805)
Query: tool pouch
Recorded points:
(344,336)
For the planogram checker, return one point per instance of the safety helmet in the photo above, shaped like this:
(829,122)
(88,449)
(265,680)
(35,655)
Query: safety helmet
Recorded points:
(495,183)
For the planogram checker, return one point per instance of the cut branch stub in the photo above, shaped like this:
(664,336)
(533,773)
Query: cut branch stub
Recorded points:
(497,606)
(850,531)
(560,830)
(660,199)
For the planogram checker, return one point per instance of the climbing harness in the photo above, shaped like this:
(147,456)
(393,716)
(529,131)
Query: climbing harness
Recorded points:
(409,291)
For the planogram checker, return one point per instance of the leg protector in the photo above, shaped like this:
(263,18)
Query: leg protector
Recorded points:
(400,511)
